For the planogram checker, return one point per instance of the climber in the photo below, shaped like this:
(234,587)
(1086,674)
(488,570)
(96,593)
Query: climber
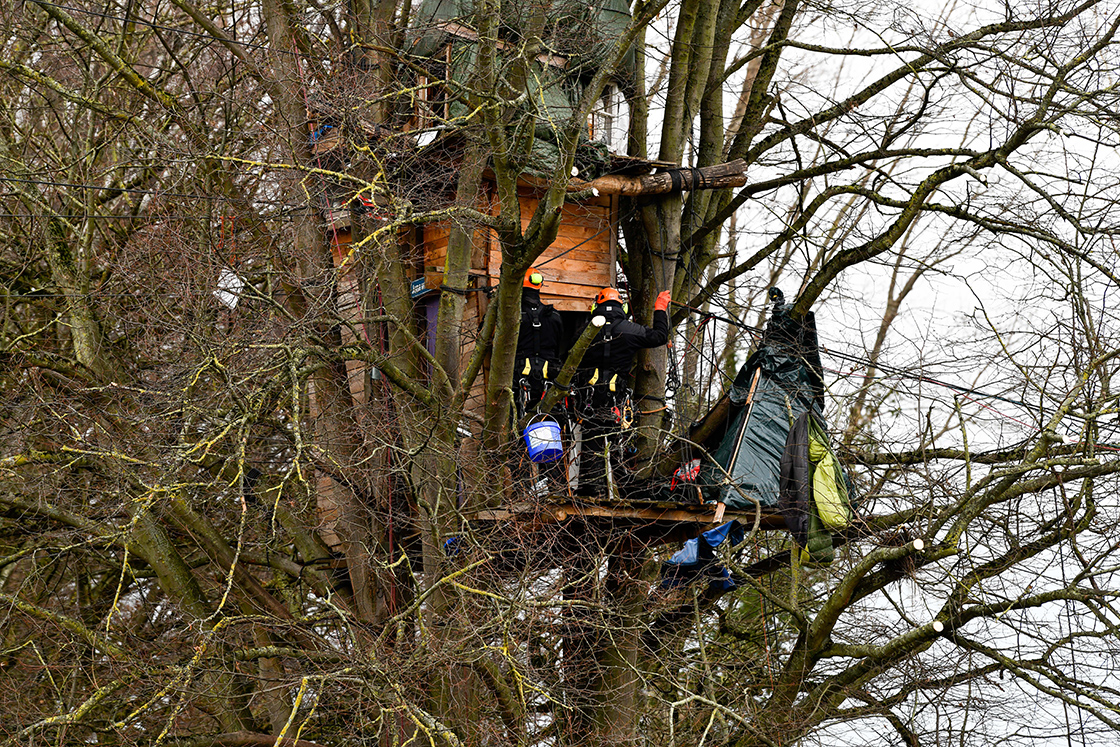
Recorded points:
(603,405)
(606,365)
(538,343)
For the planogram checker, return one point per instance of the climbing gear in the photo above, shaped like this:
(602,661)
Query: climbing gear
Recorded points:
(627,418)
(607,379)
(534,365)
(536,368)
(534,315)
(533,279)
(685,473)
(524,395)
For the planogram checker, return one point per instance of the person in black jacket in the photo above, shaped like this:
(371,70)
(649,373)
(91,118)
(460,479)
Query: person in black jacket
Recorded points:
(606,364)
(539,341)
(604,375)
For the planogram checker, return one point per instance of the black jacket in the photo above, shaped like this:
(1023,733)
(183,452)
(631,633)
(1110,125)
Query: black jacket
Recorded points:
(795,481)
(802,494)
(540,336)
(614,346)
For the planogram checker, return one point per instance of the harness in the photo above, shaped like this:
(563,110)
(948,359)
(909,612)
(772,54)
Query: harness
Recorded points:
(534,366)
(610,379)
(608,335)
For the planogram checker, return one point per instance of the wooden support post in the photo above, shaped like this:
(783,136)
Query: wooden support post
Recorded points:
(718,517)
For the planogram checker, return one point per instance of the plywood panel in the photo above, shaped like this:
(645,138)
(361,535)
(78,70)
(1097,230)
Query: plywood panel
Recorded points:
(574,298)
(581,254)
(583,276)
(436,238)
(560,262)
(598,246)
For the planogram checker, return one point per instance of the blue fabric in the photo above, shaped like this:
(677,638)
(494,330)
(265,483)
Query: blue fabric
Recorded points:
(697,560)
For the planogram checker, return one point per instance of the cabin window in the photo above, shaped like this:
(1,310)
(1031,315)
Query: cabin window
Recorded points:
(608,121)
(430,97)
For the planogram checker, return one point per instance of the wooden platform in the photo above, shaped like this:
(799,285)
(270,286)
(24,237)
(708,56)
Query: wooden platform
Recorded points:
(559,508)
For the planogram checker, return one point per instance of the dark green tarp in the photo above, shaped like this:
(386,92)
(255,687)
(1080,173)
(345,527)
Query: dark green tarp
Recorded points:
(789,382)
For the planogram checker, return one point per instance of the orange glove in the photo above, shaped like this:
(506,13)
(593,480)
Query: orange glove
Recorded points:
(662,302)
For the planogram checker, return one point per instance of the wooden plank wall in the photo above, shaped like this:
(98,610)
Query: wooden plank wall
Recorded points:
(350,309)
(576,266)
(581,260)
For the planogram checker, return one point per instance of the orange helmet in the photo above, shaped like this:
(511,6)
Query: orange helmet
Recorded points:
(607,294)
(533,278)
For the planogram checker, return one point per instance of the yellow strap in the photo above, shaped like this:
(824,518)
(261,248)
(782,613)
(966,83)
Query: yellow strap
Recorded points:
(544,371)
(614,380)
(528,367)
(594,378)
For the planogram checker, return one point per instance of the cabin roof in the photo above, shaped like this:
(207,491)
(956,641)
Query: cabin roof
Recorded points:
(575,29)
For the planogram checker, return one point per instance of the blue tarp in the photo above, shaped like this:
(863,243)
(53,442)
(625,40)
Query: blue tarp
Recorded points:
(698,559)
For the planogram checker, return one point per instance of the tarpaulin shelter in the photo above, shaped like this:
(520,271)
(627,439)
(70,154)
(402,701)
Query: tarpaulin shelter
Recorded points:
(578,37)
(781,380)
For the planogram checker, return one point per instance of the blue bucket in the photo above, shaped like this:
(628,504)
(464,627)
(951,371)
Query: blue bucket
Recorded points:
(543,440)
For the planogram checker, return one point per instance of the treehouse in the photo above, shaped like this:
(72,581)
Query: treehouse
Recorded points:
(426,146)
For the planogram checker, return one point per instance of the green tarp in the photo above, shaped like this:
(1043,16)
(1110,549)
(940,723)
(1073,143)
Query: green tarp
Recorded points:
(583,33)
(786,373)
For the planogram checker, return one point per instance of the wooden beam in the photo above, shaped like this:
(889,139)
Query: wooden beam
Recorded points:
(674,180)
(562,511)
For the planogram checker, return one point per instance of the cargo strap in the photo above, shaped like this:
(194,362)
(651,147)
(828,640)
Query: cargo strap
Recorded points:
(608,335)
(534,315)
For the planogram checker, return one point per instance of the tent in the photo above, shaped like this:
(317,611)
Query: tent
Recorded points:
(780,381)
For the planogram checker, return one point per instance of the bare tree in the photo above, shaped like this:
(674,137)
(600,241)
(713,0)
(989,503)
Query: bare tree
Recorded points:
(249,493)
